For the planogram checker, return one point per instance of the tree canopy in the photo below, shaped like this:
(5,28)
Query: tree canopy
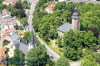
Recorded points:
(27,36)
(18,56)
(62,62)
(75,41)
(37,56)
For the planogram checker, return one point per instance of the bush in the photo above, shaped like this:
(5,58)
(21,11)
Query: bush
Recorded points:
(50,63)
(5,42)
(62,62)
(97,57)
(7,50)
(72,54)
(88,62)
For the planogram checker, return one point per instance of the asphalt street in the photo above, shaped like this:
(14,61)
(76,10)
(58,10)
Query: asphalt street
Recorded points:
(53,55)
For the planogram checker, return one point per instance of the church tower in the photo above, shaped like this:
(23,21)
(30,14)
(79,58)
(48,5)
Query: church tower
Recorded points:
(76,20)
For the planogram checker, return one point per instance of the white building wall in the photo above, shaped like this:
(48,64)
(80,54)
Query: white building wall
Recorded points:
(30,46)
(49,10)
(11,51)
(60,33)
(61,0)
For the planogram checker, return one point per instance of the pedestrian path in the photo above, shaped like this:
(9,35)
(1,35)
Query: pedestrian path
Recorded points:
(75,63)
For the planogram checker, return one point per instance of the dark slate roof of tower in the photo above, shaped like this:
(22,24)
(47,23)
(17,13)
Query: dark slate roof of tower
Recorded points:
(75,14)
(65,27)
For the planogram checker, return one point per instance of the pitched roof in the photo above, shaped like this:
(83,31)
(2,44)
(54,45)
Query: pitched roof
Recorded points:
(22,47)
(15,36)
(51,6)
(2,53)
(10,30)
(65,27)
(21,32)
(6,33)
(8,20)
(5,11)
(13,4)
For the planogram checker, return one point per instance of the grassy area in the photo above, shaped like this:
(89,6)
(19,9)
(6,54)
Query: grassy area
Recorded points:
(55,48)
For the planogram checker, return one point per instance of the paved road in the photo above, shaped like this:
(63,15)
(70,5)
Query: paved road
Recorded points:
(75,63)
(33,4)
(54,56)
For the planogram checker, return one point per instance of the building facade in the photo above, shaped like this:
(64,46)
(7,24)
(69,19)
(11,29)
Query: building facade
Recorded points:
(67,26)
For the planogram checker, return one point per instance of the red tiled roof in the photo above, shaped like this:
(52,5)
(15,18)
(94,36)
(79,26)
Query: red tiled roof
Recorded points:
(13,4)
(9,21)
(4,11)
(5,32)
(21,32)
(2,53)
(51,6)
(10,30)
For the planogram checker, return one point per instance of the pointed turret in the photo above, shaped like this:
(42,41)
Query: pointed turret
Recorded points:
(76,19)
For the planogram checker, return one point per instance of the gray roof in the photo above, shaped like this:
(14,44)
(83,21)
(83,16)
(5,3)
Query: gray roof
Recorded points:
(65,27)
(22,47)
(4,21)
(15,36)
(8,13)
(76,14)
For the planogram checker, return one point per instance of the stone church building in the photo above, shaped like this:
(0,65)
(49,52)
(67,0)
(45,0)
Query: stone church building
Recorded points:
(75,18)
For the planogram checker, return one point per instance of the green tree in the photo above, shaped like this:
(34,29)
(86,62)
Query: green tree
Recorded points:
(85,39)
(59,41)
(97,57)
(37,56)
(24,22)
(41,2)
(18,56)
(7,50)
(88,62)
(62,62)
(72,53)
(25,4)
(50,63)
(27,36)
(2,6)
(20,13)
(74,41)
(1,1)
(90,16)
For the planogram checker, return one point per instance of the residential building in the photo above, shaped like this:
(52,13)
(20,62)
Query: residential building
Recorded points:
(50,8)
(7,2)
(5,13)
(2,53)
